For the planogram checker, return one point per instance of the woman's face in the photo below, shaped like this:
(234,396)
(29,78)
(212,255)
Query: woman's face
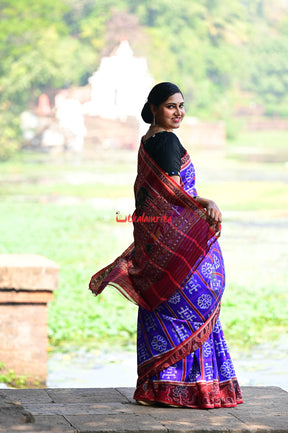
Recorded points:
(170,113)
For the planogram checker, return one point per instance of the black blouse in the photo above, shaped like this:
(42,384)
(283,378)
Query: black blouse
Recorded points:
(166,150)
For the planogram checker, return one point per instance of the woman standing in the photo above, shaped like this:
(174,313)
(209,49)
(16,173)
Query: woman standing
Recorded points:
(174,271)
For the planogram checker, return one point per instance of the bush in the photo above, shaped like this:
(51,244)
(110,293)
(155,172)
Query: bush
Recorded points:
(10,137)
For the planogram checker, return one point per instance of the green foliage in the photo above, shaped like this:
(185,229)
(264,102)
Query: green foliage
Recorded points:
(37,51)
(212,51)
(44,45)
(196,45)
(12,379)
(10,132)
(269,72)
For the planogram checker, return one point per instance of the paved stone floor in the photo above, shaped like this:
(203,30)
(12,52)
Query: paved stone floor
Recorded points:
(265,409)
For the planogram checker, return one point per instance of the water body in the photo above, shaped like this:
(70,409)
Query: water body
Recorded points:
(264,366)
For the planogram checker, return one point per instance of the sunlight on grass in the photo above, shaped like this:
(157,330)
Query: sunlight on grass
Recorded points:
(248,196)
(270,141)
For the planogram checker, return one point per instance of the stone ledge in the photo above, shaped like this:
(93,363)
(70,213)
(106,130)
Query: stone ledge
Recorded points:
(25,297)
(28,272)
(99,410)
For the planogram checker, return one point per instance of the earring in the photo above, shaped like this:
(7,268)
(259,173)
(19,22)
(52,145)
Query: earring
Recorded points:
(153,123)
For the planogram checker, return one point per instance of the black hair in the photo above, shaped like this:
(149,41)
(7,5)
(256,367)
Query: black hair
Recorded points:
(160,93)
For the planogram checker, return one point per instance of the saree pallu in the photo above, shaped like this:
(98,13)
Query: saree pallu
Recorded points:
(174,271)
(171,237)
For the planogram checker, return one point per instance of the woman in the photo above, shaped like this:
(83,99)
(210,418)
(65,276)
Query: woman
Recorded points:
(174,271)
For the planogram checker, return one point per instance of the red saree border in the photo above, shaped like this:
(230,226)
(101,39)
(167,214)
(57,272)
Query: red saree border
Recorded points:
(196,395)
(169,184)
(193,342)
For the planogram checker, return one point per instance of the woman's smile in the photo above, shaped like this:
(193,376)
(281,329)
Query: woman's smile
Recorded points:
(170,113)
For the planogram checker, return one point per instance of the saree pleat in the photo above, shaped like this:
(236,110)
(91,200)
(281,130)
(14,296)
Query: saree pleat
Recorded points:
(202,378)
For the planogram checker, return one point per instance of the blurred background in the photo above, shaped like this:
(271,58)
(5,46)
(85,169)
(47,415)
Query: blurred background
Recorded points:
(74,75)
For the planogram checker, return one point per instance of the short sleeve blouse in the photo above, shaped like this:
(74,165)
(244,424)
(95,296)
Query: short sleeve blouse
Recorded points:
(166,150)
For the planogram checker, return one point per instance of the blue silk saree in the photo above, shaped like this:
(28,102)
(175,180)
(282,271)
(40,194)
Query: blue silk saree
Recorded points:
(174,271)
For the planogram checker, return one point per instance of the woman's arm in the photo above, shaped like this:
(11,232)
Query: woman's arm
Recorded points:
(213,211)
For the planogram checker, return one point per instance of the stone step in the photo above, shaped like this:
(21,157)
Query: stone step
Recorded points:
(100,410)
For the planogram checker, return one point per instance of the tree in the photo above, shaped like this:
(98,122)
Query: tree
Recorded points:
(269,74)
(39,51)
(212,49)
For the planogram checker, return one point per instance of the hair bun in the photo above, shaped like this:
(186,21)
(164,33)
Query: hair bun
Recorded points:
(146,113)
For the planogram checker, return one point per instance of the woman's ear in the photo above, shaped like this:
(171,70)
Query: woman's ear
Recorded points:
(153,108)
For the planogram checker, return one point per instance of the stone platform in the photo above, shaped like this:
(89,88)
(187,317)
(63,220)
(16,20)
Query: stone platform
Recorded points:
(100,410)
(27,283)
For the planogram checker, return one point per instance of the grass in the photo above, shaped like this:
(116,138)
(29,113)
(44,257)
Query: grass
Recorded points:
(56,189)
(248,195)
(255,308)
(264,141)
(80,239)
(82,236)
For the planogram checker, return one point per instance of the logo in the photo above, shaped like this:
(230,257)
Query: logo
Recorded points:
(142,218)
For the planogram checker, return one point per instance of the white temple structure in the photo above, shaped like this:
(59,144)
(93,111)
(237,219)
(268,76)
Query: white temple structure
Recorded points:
(119,88)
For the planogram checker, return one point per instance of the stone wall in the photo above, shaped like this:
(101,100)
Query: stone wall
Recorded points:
(200,135)
(126,134)
(27,282)
(112,133)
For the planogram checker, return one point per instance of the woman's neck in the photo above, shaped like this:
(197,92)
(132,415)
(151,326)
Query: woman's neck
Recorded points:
(154,129)
(157,128)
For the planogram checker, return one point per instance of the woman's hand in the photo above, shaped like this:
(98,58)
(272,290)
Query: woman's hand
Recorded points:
(213,212)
